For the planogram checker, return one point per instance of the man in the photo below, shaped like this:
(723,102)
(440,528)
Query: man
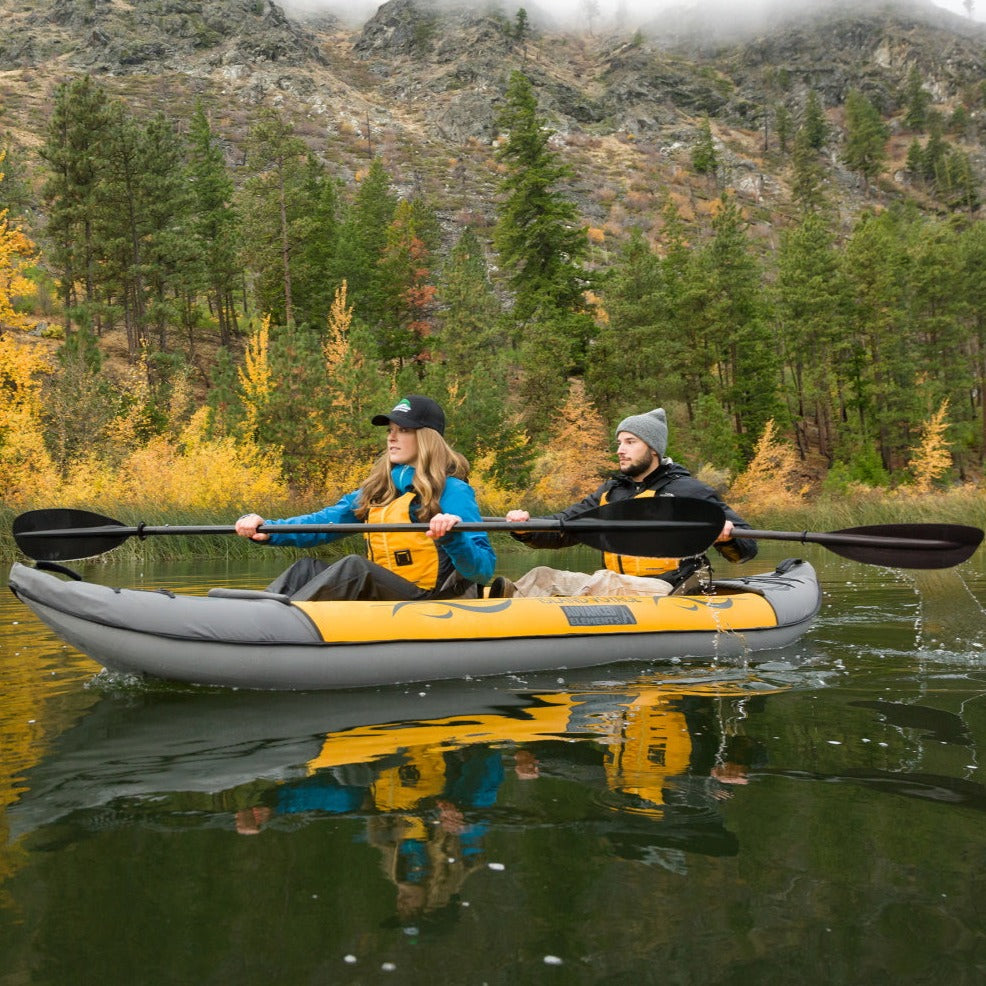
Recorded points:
(645,471)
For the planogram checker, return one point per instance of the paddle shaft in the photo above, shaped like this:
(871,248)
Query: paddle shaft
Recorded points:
(146,530)
(674,527)
(843,538)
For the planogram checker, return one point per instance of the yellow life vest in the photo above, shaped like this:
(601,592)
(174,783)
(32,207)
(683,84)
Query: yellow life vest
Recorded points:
(411,554)
(634,564)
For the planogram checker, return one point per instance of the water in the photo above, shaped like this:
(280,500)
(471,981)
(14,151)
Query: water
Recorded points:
(816,819)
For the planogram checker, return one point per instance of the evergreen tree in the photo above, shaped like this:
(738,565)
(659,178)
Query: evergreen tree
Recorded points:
(915,160)
(405,267)
(470,366)
(808,179)
(354,390)
(521,26)
(75,133)
(79,401)
(916,100)
(215,224)
(865,149)
(737,324)
(170,252)
(972,314)
(276,211)
(633,294)
(704,158)
(316,244)
(361,242)
(16,198)
(813,123)
(783,124)
(119,228)
(809,306)
(226,411)
(881,368)
(540,241)
(298,404)
(934,299)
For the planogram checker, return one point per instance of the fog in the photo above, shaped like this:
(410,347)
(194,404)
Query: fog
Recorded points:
(598,14)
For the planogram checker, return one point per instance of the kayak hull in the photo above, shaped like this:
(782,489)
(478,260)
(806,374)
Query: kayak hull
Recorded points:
(263,641)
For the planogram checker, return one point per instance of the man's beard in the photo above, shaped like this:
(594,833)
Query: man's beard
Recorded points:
(639,466)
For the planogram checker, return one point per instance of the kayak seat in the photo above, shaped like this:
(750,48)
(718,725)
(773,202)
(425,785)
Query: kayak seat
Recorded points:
(227,593)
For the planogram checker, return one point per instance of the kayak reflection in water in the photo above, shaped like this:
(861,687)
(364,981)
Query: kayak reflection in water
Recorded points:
(654,764)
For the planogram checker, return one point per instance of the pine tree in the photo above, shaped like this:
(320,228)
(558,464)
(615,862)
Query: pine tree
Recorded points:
(76,132)
(705,161)
(813,123)
(809,303)
(881,366)
(635,304)
(737,324)
(540,241)
(865,149)
(916,99)
(808,181)
(361,242)
(79,400)
(119,227)
(17,254)
(215,222)
(276,210)
(408,291)
(354,389)
(171,253)
(471,360)
(318,241)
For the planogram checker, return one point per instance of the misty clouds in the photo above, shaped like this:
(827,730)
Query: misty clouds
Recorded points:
(628,14)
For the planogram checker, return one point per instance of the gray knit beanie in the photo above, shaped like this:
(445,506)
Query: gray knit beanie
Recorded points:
(651,427)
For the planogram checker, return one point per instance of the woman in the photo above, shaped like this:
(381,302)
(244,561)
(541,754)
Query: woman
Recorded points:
(419,478)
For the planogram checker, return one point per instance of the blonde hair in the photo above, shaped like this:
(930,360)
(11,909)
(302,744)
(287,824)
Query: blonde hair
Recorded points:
(435,462)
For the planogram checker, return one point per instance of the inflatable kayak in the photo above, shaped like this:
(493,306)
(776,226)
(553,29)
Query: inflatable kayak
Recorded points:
(255,639)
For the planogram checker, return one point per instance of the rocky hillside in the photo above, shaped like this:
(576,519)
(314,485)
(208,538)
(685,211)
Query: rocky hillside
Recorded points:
(420,84)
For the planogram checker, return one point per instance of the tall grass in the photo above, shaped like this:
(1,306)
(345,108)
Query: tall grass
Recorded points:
(958,505)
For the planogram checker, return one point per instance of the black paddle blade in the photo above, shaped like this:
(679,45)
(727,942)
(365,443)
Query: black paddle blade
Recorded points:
(655,526)
(908,545)
(62,534)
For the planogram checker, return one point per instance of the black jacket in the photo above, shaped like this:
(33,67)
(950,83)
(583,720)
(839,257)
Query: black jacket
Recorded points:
(669,479)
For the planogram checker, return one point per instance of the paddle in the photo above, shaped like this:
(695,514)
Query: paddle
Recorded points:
(674,527)
(668,526)
(891,545)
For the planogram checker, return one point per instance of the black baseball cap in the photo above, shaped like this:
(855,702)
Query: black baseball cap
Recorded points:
(414,411)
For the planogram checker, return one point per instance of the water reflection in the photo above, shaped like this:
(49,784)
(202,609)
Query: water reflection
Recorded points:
(644,762)
(714,827)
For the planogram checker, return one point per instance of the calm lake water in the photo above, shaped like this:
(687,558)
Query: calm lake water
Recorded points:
(820,818)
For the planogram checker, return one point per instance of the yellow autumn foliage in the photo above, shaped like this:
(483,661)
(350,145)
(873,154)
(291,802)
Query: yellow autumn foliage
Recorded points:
(578,454)
(194,472)
(256,377)
(17,254)
(27,472)
(770,481)
(932,459)
(494,498)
